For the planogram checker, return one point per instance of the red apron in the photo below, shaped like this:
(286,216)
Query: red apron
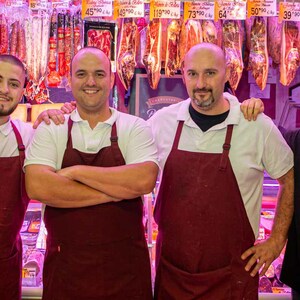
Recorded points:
(203,229)
(97,252)
(13,205)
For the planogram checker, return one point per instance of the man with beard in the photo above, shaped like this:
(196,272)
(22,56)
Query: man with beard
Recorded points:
(209,200)
(14,137)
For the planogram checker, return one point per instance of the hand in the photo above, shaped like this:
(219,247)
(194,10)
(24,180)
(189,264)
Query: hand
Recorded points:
(261,256)
(251,108)
(56,115)
(68,107)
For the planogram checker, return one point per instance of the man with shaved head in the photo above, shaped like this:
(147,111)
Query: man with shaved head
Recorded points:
(209,200)
(90,172)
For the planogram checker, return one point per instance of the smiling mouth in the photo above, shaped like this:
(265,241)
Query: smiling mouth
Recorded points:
(90,92)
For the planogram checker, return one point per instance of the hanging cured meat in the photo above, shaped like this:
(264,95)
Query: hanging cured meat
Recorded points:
(193,33)
(77,24)
(274,39)
(258,58)
(127,51)
(152,55)
(53,77)
(173,47)
(209,32)
(232,41)
(3,34)
(289,62)
(61,44)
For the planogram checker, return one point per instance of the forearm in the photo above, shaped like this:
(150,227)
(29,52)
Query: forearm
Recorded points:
(48,187)
(123,182)
(285,208)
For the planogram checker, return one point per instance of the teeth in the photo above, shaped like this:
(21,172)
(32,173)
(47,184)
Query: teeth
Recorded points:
(90,91)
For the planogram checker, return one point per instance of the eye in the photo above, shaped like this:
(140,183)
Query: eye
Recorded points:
(14,85)
(100,74)
(210,73)
(80,74)
(191,74)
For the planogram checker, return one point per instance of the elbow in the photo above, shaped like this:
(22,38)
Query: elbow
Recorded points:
(147,181)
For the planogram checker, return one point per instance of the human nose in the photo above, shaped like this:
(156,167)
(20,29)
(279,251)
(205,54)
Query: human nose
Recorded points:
(3,87)
(201,82)
(91,80)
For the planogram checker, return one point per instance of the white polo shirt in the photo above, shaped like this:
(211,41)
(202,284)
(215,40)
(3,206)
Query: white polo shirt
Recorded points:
(255,146)
(134,138)
(8,142)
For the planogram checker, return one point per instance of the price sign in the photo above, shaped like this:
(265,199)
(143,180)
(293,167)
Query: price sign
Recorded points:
(164,9)
(37,4)
(199,10)
(262,8)
(60,4)
(96,8)
(230,10)
(128,9)
(289,11)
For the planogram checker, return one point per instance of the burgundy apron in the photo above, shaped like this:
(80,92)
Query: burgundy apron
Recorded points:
(203,229)
(13,205)
(97,252)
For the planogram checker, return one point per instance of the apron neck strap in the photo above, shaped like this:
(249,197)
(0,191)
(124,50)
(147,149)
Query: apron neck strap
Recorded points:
(70,125)
(177,135)
(115,147)
(226,148)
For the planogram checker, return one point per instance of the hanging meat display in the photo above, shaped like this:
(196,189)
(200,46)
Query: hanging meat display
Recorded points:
(53,78)
(152,55)
(258,58)
(274,39)
(289,62)
(212,32)
(172,63)
(126,60)
(37,36)
(193,33)
(3,34)
(232,41)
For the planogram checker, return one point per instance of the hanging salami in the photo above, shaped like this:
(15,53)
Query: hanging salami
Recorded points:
(3,34)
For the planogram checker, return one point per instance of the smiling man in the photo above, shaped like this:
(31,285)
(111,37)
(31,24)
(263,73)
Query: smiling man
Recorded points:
(14,137)
(90,172)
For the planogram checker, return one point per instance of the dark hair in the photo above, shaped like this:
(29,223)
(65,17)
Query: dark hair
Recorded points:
(14,61)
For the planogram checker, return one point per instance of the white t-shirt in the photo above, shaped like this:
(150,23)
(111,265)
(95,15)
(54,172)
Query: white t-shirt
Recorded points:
(134,139)
(255,146)
(8,142)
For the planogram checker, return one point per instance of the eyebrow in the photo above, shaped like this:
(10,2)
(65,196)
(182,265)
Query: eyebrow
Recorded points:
(12,79)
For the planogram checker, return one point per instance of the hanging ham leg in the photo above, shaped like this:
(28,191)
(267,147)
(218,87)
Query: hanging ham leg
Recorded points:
(127,51)
(152,55)
(289,52)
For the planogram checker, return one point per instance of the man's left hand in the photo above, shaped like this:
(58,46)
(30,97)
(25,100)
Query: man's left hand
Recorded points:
(261,256)
(251,108)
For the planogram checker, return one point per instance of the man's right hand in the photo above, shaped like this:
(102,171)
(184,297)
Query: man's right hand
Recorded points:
(56,115)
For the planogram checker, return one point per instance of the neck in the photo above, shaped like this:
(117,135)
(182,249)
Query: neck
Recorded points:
(94,118)
(4,120)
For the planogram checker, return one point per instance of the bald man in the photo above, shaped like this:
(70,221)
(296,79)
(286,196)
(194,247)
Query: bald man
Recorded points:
(90,172)
(209,200)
